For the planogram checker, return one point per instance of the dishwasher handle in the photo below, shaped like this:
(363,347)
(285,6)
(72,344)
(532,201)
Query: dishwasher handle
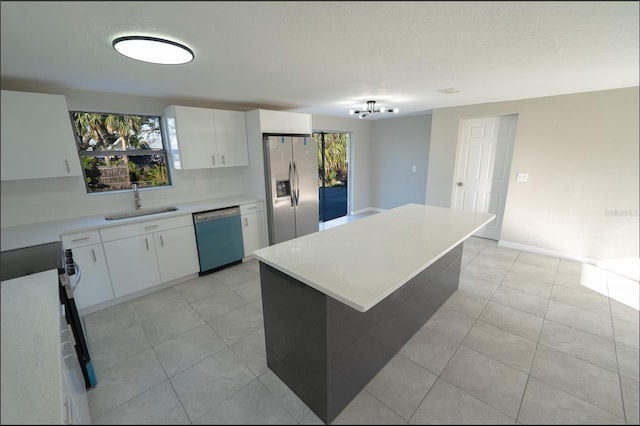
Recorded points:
(216,214)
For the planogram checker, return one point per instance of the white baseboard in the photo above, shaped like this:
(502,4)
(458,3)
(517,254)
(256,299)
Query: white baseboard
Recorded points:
(629,267)
(366,210)
(541,250)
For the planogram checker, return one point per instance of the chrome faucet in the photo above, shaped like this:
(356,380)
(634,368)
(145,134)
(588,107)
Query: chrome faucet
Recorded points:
(136,195)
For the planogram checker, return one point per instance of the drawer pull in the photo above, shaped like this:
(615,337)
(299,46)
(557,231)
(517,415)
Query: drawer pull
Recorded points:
(150,227)
(252,208)
(161,241)
(146,241)
(77,240)
(93,253)
(66,162)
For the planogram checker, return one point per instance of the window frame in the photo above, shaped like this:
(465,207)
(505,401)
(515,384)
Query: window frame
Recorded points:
(164,153)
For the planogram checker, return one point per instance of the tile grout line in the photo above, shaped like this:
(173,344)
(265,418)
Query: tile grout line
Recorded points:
(535,352)
(461,343)
(588,362)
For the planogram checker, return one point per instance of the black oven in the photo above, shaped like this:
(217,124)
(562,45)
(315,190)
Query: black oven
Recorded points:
(68,279)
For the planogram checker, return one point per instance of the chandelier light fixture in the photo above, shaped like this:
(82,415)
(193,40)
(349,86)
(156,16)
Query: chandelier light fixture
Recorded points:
(153,49)
(371,108)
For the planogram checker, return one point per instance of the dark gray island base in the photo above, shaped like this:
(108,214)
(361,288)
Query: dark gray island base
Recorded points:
(326,351)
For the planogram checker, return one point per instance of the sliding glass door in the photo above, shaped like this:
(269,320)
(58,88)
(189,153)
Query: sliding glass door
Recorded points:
(333,171)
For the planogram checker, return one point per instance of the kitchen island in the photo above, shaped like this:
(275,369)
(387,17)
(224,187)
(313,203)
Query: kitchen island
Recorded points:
(340,303)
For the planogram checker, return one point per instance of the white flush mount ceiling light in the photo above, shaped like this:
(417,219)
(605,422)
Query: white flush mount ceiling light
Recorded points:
(153,49)
(371,108)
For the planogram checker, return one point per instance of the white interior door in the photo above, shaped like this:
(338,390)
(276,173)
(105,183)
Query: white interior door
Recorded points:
(482,168)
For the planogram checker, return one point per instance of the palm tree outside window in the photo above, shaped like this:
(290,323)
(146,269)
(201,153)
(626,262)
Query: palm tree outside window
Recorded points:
(118,150)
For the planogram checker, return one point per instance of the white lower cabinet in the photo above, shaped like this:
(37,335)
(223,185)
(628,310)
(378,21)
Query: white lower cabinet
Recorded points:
(119,260)
(177,253)
(132,264)
(95,284)
(143,254)
(253,231)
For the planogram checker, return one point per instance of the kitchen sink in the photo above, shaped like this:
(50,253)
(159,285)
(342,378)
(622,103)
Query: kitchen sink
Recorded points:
(141,212)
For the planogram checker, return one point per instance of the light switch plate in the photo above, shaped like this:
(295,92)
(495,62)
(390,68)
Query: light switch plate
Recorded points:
(522,177)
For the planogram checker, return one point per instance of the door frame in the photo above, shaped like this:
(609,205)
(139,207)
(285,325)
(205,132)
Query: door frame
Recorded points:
(457,166)
(349,164)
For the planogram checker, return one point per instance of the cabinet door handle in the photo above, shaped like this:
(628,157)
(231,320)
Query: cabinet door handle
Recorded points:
(146,241)
(93,253)
(66,162)
(213,160)
(246,222)
(77,240)
(161,241)
(150,227)
(223,161)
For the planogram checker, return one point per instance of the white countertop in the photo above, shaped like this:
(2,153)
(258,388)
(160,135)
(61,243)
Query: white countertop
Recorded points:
(45,232)
(31,370)
(362,262)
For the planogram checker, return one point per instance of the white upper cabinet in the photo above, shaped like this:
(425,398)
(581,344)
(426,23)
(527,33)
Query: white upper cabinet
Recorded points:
(231,135)
(192,136)
(203,138)
(285,122)
(37,139)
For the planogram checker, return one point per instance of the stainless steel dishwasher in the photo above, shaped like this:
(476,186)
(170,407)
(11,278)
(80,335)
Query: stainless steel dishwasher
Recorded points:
(219,238)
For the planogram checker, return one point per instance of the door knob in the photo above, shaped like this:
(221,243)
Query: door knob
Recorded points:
(459,183)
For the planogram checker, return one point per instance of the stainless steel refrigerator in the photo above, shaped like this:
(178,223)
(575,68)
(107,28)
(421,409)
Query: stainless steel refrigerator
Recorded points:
(291,176)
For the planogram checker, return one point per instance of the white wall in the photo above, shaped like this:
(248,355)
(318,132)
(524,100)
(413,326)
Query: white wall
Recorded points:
(383,152)
(398,145)
(41,200)
(581,153)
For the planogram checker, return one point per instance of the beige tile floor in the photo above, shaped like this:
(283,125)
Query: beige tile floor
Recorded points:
(526,339)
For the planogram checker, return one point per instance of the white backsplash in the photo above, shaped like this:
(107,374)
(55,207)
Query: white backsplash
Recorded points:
(42,200)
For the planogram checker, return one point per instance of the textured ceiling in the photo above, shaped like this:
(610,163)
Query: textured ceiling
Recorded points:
(327,57)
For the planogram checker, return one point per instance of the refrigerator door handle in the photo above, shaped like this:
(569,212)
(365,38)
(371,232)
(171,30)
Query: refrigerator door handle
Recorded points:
(290,185)
(297,177)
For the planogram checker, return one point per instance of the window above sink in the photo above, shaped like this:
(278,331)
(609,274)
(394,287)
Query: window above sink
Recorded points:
(117,150)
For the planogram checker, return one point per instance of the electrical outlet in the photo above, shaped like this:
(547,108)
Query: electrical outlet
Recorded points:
(522,177)
(413,169)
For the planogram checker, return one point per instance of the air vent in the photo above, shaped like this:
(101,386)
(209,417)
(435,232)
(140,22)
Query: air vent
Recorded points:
(448,91)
